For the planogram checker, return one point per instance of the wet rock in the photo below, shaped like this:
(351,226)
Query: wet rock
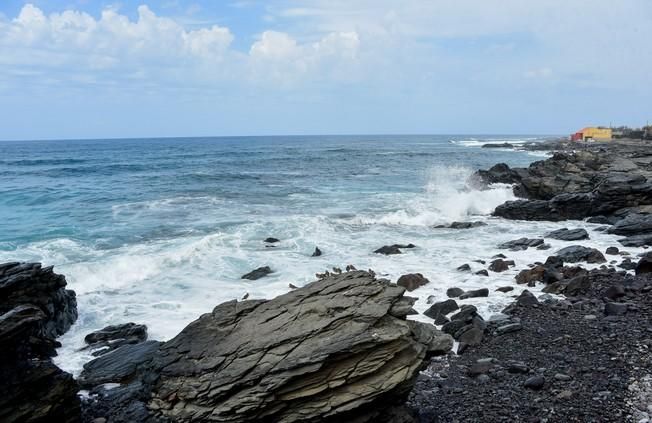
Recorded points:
(500,265)
(498,174)
(612,251)
(118,366)
(258,273)
(482,272)
(114,336)
(317,252)
(521,244)
(393,249)
(505,289)
(528,276)
(498,145)
(566,234)
(643,240)
(454,292)
(271,240)
(412,281)
(633,224)
(462,225)
(511,327)
(464,268)
(577,253)
(441,308)
(482,292)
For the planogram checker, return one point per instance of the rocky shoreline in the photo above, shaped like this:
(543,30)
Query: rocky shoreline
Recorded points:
(344,348)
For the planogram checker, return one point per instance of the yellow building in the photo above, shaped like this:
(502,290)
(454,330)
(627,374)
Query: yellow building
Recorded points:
(596,133)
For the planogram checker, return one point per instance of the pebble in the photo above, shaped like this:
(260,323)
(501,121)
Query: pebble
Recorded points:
(535,382)
(562,377)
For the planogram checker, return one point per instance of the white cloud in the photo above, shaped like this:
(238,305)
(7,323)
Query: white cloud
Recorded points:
(275,45)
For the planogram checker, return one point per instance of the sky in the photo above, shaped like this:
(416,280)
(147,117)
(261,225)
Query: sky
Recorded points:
(152,68)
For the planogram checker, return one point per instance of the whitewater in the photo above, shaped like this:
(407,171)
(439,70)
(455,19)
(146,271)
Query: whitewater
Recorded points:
(160,231)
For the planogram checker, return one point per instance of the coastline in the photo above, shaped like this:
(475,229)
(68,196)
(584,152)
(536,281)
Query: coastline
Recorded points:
(556,340)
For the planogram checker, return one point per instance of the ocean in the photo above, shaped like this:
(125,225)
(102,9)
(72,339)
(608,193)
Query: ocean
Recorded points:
(159,231)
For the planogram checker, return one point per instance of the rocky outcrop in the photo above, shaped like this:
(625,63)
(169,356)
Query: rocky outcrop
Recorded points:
(258,273)
(29,283)
(115,336)
(389,250)
(35,307)
(577,253)
(521,244)
(339,349)
(600,181)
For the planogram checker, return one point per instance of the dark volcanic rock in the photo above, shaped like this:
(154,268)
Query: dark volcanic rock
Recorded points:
(577,253)
(633,224)
(317,252)
(441,309)
(644,264)
(462,225)
(642,240)
(500,265)
(529,276)
(499,173)
(454,292)
(271,240)
(29,283)
(482,272)
(482,292)
(464,268)
(498,145)
(612,251)
(393,249)
(566,234)
(34,309)
(261,272)
(412,281)
(341,341)
(118,366)
(521,244)
(114,336)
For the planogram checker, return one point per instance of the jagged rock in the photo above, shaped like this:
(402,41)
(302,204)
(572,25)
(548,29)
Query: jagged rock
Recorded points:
(29,283)
(393,249)
(521,244)
(114,336)
(34,309)
(643,240)
(338,349)
(258,273)
(441,309)
(526,299)
(498,174)
(317,252)
(412,281)
(566,234)
(577,253)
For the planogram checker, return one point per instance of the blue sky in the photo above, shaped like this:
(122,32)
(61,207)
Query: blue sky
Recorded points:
(94,69)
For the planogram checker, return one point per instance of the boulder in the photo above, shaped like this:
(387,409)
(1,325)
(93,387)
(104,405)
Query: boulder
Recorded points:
(643,240)
(566,234)
(644,265)
(482,292)
(500,265)
(577,253)
(612,251)
(317,252)
(498,174)
(454,292)
(464,268)
(271,240)
(482,272)
(521,244)
(412,281)
(441,308)
(633,224)
(114,336)
(530,276)
(258,273)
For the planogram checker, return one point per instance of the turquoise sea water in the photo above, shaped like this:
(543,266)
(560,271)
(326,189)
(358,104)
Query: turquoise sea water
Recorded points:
(159,231)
